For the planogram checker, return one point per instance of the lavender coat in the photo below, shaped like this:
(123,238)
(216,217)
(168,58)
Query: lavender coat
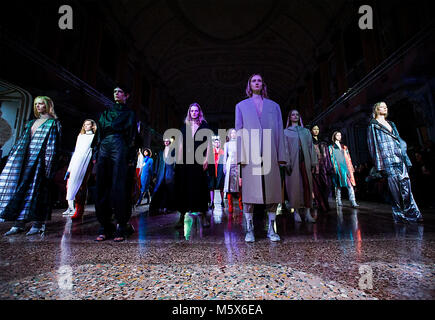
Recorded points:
(250,148)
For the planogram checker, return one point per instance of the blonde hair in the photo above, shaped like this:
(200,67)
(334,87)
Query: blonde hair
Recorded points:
(249,91)
(49,105)
(375,109)
(94,126)
(201,114)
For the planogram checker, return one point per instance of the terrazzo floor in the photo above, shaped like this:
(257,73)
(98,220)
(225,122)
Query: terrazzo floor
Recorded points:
(348,254)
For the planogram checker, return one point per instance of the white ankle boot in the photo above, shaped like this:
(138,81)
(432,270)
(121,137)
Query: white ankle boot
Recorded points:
(352,198)
(297,216)
(249,227)
(271,234)
(279,209)
(308,217)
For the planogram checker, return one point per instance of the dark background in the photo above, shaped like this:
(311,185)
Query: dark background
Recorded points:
(311,53)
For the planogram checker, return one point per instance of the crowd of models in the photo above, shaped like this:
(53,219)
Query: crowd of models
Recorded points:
(302,172)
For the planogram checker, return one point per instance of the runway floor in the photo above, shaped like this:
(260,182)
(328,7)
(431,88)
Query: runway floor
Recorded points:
(348,254)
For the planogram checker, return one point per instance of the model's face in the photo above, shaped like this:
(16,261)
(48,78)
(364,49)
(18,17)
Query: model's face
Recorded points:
(233,134)
(119,96)
(194,112)
(217,143)
(166,142)
(382,109)
(294,117)
(146,153)
(41,106)
(256,83)
(315,131)
(88,126)
(338,137)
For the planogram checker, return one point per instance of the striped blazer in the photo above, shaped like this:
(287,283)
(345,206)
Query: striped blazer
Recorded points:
(386,148)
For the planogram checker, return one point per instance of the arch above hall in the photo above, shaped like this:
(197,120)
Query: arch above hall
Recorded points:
(198,44)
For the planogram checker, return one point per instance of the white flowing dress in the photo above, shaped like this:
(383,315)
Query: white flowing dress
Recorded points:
(79,164)
(231,167)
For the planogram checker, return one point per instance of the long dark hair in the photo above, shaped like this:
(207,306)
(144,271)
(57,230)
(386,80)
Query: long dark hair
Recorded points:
(300,118)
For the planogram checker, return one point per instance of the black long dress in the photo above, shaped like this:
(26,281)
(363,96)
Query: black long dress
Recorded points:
(191,179)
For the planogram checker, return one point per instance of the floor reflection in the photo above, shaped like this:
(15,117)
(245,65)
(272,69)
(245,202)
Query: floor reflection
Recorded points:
(193,225)
(142,228)
(217,215)
(65,272)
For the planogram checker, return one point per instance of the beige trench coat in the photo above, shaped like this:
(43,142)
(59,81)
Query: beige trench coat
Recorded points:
(251,147)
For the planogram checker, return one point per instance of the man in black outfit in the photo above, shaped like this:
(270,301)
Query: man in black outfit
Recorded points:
(116,135)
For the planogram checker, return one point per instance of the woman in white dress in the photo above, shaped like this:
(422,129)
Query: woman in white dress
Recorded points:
(231,171)
(80,168)
(138,167)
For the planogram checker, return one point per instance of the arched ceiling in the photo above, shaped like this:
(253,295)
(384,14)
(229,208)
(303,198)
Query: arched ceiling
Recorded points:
(205,50)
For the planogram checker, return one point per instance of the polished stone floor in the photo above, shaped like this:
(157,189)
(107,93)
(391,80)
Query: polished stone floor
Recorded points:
(348,254)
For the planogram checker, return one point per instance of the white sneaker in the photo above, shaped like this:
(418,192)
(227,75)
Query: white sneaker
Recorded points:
(35,230)
(14,230)
(68,212)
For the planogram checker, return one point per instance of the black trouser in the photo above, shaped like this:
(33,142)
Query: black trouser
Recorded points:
(111,196)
